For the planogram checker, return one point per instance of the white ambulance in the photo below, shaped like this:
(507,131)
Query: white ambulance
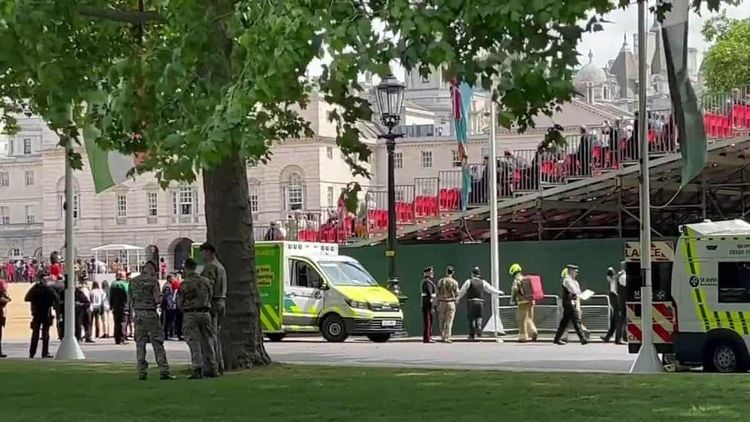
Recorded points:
(709,294)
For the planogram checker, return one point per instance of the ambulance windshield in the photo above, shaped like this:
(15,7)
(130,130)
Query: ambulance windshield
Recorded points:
(347,273)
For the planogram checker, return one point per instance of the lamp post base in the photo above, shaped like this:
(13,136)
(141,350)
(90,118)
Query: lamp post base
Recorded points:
(393,287)
(647,361)
(69,349)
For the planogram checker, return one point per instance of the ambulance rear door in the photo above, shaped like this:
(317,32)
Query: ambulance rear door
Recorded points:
(662,261)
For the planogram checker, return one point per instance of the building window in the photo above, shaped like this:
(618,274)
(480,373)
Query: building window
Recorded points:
(398,160)
(4,216)
(295,193)
(254,196)
(122,206)
(15,253)
(76,206)
(185,201)
(455,159)
(30,217)
(733,282)
(153,204)
(29,177)
(399,195)
(27,146)
(4,179)
(426,159)
(329,153)
(330,196)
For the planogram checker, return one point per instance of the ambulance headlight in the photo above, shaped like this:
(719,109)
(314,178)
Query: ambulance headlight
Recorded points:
(358,305)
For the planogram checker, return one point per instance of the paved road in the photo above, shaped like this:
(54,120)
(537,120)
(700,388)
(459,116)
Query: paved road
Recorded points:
(486,355)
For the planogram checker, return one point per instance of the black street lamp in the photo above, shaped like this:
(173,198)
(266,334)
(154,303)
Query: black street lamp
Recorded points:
(390,96)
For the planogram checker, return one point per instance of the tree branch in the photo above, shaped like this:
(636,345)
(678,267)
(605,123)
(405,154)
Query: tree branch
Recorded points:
(131,17)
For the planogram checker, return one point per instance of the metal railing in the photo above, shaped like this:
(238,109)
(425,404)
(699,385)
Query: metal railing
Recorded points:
(595,314)
(426,200)
(449,190)
(546,314)
(405,204)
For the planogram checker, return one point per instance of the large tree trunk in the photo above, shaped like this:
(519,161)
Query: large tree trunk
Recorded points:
(229,227)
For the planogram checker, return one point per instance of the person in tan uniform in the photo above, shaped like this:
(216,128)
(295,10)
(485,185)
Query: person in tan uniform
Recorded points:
(522,294)
(447,294)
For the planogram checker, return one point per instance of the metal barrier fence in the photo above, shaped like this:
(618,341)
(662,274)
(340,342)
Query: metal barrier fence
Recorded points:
(449,190)
(377,210)
(726,114)
(426,200)
(595,314)
(405,204)
(662,132)
(547,314)
(525,174)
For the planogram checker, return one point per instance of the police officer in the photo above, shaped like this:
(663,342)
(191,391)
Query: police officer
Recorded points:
(195,301)
(145,297)
(42,299)
(474,290)
(215,272)
(522,295)
(618,316)
(571,313)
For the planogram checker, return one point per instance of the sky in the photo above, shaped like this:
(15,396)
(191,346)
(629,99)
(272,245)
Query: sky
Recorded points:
(606,44)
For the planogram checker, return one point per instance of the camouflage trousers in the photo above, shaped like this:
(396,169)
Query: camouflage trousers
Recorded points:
(218,309)
(148,329)
(199,335)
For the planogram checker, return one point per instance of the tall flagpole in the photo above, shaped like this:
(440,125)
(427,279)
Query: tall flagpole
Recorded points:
(69,348)
(647,360)
(494,253)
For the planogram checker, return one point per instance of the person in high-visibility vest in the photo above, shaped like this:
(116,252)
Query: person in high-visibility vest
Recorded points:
(571,311)
(586,331)
(521,293)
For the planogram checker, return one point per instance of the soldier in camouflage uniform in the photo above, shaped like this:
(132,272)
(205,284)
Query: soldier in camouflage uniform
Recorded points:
(145,296)
(215,272)
(195,302)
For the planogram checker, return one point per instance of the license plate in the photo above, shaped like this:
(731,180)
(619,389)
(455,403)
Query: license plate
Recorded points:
(388,323)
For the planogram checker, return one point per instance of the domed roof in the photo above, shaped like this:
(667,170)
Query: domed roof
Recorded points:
(590,74)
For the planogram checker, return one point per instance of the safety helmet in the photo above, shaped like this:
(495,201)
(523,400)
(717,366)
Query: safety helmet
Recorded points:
(515,268)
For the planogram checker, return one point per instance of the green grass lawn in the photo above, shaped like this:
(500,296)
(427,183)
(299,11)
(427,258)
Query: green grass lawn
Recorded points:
(50,391)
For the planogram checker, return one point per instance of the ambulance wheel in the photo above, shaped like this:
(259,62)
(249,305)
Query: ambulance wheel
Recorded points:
(724,357)
(334,329)
(379,337)
(276,336)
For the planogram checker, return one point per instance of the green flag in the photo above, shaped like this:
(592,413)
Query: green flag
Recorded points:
(687,116)
(109,168)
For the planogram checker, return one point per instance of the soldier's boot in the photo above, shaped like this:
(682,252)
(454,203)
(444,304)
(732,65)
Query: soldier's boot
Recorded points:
(143,377)
(196,375)
(167,377)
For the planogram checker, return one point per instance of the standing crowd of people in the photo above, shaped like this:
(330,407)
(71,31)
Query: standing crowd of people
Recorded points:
(192,309)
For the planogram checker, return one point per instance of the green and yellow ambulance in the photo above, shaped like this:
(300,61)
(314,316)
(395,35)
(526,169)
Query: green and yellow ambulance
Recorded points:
(308,287)
(701,296)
